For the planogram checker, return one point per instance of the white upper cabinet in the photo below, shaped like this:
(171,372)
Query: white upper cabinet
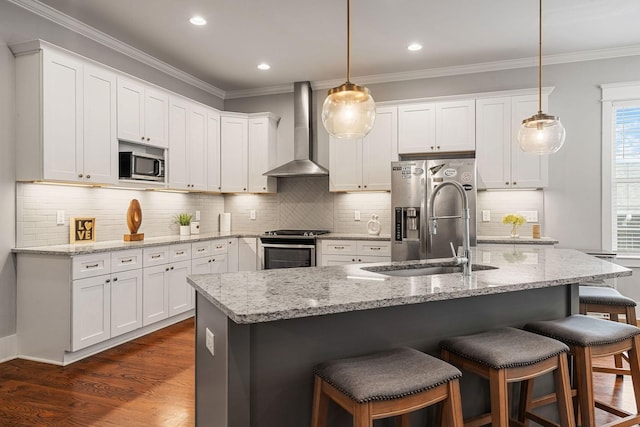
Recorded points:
(432,127)
(213,150)
(365,164)
(65,118)
(143,113)
(500,161)
(234,161)
(187,145)
(262,153)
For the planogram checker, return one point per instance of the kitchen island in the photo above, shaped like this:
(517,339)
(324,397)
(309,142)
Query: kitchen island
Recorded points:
(271,327)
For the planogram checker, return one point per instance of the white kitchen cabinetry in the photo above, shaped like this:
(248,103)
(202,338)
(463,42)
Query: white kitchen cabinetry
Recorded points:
(187,145)
(209,257)
(91,311)
(213,150)
(66,117)
(433,127)
(365,164)
(143,113)
(234,159)
(262,153)
(340,252)
(500,161)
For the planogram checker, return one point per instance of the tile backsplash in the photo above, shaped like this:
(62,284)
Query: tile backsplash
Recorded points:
(502,202)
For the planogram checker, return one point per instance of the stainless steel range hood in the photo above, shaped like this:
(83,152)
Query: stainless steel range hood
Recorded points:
(302,163)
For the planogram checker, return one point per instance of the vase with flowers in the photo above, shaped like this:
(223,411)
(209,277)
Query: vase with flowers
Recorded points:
(516,221)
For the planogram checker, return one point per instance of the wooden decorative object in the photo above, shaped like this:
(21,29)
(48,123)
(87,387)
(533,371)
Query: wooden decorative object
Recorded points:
(82,230)
(134,220)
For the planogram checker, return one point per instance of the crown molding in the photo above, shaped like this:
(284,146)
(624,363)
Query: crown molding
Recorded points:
(57,17)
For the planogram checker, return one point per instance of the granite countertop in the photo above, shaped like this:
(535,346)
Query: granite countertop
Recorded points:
(269,295)
(517,241)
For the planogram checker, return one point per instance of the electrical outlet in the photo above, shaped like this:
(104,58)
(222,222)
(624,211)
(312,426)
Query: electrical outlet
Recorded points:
(530,216)
(356,216)
(197,216)
(59,217)
(209,341)
(486,215)
(252,214)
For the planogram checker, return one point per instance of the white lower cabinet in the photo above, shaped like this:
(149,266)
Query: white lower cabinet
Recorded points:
(340,252)
(126,302)
(91,311)
(154,294)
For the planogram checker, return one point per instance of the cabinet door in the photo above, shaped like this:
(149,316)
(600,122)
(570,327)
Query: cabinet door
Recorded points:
(213,151)
(178,137)
(493,142)
(180,298)
(247,254)
(456,126)
(201,265)
(100,142)
(233,159)
(527,170)
(130,110)
(90,311)
(126,302)
(417,128)
(233,255)
(197,148)
(156,118)
(379,149)
(62,117)
(219,263)
(262,154)
(155,299)
(345,164)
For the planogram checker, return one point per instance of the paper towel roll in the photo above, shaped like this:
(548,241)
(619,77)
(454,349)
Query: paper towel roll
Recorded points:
(225,222)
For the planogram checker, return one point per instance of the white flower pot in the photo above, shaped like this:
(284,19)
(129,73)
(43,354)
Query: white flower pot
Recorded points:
(185,230)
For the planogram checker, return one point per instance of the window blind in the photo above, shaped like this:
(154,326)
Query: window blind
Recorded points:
(626,185)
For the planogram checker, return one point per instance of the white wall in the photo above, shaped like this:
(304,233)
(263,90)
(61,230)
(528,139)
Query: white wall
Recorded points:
(7,196)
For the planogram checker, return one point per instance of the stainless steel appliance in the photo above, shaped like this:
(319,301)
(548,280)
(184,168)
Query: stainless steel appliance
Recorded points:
(289,248)
(141,166)
(412,183)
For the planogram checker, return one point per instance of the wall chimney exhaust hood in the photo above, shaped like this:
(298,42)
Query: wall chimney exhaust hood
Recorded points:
(302,163)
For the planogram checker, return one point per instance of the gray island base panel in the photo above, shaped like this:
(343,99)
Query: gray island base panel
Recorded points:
(272,327)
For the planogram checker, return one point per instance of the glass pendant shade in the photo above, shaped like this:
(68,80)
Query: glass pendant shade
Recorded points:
(541,134)
(348,111)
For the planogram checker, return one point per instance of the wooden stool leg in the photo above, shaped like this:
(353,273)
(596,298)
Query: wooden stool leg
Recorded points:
(362,416)
(320,405)
(403,421)
(634,363)
(616,358)
(499,398)
(563,392)
(453,406)
(526,396)
(631,316)
(584,379)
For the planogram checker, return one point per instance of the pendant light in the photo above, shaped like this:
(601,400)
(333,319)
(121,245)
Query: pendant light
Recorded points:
(348,111)
(541,133)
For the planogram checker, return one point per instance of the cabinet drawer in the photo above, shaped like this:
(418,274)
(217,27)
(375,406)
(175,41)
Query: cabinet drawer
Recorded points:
(376,248)
(200,249)
(338,260)
(337,247)
(180,252)
(91,265)
(126,260)
(218,247)
(155,256)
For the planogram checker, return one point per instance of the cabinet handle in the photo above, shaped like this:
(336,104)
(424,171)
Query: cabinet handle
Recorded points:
(338,247)
(115,279)
(172,268)
(200,250)
(79,175)
(155,256)
(375,249)
(125,261)
(107,281)
(180,253)
(92,266)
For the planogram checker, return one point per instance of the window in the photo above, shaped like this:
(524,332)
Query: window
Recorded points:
(621,168)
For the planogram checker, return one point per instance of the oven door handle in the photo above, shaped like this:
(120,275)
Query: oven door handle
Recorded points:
(275,245)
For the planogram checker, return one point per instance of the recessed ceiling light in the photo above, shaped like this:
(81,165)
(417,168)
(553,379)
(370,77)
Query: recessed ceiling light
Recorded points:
(198,20)
(414,46)
(264,66)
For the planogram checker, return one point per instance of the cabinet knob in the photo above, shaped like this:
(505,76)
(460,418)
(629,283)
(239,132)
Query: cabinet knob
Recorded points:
(88,176)
(507,183)
(107,281)
(172,268)
(432,147)
(79,175)
(218,188)
(115,279)
(166,269)
(264,188)
(244,189)
(365,186)
(515,183)
(148,139)
(142,138)
(214,260)
(438,147)
(209,260)
(353,259)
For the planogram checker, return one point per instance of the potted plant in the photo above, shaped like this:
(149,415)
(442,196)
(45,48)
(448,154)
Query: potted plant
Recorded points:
(184,221)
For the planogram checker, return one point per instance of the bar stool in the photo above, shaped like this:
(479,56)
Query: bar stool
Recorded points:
(507,355)
(588,338)
(601,299)
(391,383)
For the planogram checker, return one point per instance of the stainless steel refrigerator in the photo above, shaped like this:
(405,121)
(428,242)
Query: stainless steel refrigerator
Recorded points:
(412,182)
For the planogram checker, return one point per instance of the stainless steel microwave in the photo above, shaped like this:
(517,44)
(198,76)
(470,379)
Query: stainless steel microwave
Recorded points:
(141,166)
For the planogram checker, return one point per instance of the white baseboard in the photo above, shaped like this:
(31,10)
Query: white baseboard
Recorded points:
(8,348)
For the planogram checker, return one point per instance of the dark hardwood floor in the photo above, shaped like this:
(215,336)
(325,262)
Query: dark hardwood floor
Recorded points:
(146,382)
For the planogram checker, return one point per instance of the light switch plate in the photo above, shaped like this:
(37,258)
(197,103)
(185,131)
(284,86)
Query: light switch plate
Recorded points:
(356,216)
(252,214)
(486,215)
(530,216)
(197,215)
(209,341)
(59,217)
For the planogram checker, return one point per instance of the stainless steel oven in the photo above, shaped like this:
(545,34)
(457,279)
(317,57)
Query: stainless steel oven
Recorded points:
(289,248)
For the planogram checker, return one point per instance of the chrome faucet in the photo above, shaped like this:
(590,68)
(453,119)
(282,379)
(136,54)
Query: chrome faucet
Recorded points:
(465,259)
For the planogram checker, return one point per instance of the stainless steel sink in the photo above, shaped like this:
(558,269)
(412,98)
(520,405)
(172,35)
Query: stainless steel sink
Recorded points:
(423,269)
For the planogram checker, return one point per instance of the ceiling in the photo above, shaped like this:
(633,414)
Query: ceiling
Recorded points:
(306,39)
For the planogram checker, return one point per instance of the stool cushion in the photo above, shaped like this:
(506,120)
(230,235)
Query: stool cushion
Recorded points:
(603,295)
(584,331)
(386,375)
(504,348)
